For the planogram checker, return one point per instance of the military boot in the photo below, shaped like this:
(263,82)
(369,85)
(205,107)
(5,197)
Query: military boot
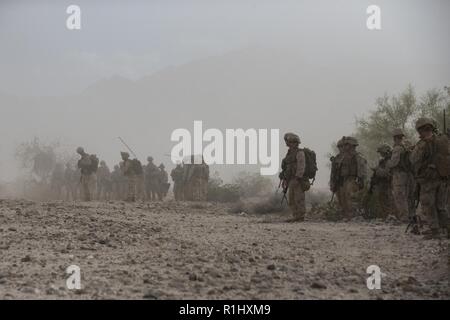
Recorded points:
(433,234)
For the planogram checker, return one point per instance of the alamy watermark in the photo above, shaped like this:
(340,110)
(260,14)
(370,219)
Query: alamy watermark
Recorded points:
(235,146)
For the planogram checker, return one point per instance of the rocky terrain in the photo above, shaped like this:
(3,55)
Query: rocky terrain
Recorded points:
(175,250)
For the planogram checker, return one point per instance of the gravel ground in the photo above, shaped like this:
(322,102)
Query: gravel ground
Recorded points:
(175,250)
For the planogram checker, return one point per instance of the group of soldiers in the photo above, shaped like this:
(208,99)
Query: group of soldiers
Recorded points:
(129,180)
(404,177)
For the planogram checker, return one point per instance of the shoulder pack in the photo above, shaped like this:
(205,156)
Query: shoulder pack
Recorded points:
(310,163)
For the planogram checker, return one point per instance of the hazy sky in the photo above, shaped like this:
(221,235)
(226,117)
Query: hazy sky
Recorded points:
(136,39)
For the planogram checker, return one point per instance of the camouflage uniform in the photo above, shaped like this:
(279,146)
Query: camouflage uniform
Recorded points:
(352,175)
(431,161)
(198,181)
(151,179)
(163,182)
(381,185)
(177,178)
(104,183)
(71,182)
(402,178)
(57,181)
(188,170)
(335,163)
(127,169)
(88,176)
(118,182)
(293,166)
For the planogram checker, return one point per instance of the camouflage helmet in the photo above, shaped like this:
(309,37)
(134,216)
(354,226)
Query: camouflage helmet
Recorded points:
(80,150)
(421,122)
(340,142)
(149,159)
(161,166)
(397,132)
(125,154)
(384,148)
(351,141)
(102,163)
(291,137)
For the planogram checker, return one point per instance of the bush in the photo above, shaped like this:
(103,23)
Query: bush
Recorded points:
(219,192)
(253,184)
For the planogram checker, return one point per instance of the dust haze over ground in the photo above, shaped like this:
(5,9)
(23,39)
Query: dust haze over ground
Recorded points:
(144,69)
(175,250)
(288,65)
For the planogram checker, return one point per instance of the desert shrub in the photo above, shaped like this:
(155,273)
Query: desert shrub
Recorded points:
(220,192)
(252,184)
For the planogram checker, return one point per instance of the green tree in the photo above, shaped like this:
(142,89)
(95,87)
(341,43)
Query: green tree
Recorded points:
(399,111)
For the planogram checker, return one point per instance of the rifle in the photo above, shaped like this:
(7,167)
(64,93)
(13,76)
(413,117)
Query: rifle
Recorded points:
(415,222)
(445,125)
(284,190)
(129,149)
(284,197)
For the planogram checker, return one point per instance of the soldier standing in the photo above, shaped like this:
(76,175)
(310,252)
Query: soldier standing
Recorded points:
(151,179)
(430,160)
(294,165)
(352,176)
(71,182)
(177,178)
(126,166)
(104,181)
(402,178)
(163,182)
(57,180)
(335,166)
(204,179)
(381,185)
(188,171)
(88,167)
(117,183)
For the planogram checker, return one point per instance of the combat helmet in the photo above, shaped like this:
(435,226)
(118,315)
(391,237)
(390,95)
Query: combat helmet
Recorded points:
(124,154)
(422,122)
(291,137)
(397,132)
(80,150)
(340,142)
(384,148)
(149,159)
(351,141)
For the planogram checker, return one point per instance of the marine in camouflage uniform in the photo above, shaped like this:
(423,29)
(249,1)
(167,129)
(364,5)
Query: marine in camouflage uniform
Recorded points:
(188,170)
(88,177)
(402,177)
(57,181)
(430,159)
(293,169)
(335,164)
(199,181)
(381,185)
(71,182)
(151,179)
(126,166)
(177,178)
(118,183)
(104,182)
(163,182)
(351,177)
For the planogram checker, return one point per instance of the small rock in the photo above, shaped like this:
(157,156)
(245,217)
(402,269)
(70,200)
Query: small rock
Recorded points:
(27,258)
(193,277)
(271,267)
(318,285)
(150,295)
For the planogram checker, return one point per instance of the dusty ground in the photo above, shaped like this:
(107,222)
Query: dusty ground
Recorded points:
(200,251)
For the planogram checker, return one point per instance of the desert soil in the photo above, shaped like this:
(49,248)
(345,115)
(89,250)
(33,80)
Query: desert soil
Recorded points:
(175,250)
